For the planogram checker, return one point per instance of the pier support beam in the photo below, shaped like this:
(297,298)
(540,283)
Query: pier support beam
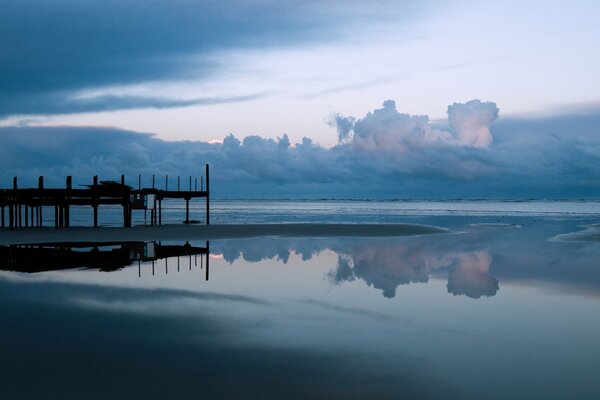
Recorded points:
(40,206)
(67,215)
(95,200)
(207,258)
(207,197)
(11,216)
(187,211)
(160,211)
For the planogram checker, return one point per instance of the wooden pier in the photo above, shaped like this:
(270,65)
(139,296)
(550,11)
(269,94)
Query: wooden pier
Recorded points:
(25,206)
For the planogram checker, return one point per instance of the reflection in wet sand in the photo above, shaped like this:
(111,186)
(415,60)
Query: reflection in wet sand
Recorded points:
(471,275)
(386,268)
(383,264)
(105,256)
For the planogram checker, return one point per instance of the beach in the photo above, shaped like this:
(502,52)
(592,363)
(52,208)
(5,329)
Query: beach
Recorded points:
(210,232)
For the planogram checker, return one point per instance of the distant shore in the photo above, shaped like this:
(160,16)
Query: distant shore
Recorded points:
(210,232)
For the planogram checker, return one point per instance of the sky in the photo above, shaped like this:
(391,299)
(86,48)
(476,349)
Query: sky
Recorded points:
(423,99)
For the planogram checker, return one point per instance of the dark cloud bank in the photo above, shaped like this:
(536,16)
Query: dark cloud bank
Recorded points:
(53,50)
(385,154)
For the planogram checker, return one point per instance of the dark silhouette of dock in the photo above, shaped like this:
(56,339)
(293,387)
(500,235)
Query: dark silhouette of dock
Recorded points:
(105,256)
(25,206)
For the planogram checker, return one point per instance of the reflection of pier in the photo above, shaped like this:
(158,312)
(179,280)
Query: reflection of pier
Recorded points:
(105,256)
(25,206)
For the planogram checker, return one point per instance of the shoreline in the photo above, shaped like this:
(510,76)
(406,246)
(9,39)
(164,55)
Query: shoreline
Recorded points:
(210,232)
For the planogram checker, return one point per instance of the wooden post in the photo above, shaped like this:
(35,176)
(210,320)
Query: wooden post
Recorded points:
(15,201)
(178,182)
(56,223)
(152,181)
(155,209)
(26,215)
(11,217)
(160,211)
(167,182)
(207,197)
(126,222)
(61,216)
(207,258)
(126,204)
(95,200)
(67,216)
(40,188)
(187,211)
(3,216)
(187,205)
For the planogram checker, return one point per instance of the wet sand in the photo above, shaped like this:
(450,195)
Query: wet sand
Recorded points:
(591,233)
(210,232)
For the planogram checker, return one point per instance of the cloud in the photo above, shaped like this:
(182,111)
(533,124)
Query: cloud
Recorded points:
(387,129)
(385,154)
(472,122)
(66,103)
(54,50)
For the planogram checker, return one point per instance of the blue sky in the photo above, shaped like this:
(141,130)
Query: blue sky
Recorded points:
(500,96)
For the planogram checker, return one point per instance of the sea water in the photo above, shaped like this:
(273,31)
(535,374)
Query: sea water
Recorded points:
(345,211)
(498,308)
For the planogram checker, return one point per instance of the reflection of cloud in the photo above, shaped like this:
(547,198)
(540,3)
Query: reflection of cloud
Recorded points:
(387,267)
(471,276)
(383,264)
(260,248)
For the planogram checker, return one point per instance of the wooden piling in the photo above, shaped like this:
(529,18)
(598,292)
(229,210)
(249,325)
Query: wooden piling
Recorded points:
(11,216)
(207,197)
(95,200)
(40,207)
(160,212)
(67,215)
(15,213)
(187,211)
(207,257)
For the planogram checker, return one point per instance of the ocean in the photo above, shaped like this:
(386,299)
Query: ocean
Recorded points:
(504,305)
(341,211)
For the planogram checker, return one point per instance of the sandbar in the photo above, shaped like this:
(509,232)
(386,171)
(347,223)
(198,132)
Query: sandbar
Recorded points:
(591,233)
(210,232)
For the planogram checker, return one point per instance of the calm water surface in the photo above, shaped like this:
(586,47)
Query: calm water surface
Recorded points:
(495,310)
